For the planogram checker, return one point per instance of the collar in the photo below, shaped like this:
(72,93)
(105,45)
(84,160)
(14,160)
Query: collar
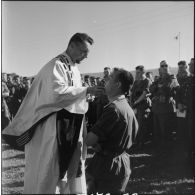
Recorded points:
(68,59)
(115,99)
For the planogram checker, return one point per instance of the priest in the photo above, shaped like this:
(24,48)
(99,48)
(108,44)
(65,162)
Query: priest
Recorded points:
(50,125)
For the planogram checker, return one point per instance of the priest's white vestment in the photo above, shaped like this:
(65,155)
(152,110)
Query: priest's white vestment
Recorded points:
(56,86)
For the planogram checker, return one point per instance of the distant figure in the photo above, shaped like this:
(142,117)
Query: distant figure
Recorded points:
(156,78)
(149,75)
(26,86)
(5,113)
(102,100)
(93,80)
(10,85)
(87,82)
(17,95)
(98,79)
(107,71)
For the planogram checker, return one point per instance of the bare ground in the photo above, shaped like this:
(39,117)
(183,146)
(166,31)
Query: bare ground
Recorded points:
(168,173)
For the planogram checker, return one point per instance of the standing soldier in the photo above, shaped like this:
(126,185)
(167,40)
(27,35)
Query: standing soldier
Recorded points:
(90,114)
(181,105)
(5,114)
(103,99)
(141,103)
(10,86)
(26,86)
(163,92)
(190,109)
(17,96)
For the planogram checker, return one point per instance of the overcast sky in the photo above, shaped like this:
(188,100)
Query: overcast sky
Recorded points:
(126,34)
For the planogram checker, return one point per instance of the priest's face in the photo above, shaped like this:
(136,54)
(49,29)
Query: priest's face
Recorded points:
(80,51)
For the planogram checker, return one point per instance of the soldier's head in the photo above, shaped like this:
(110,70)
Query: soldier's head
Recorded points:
(119,82)
(164,68)
(87,80)
(182,65)
(191,66)
(16,79)
(98,79)
(27,83)
(107,71)
(93,80)
(4,76)
(140,71)
(9,78)
(78,47)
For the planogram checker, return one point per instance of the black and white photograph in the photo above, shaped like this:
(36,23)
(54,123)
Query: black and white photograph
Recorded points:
(97,97)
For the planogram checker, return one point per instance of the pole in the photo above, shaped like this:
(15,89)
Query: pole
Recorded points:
(179,45)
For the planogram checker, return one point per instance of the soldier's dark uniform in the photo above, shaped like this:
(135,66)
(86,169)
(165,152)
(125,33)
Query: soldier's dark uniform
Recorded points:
(91,113)
(9,99)
(16,99)
(143,108)
(181,98)
(5,114)
(101,101)
(163,108)
(190,94)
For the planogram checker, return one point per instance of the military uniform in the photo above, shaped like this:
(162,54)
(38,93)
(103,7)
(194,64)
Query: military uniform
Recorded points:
(143,107)
(190,96)
(9,98)
(181,104)
(102,100)
(16,99)
(5,114)
(163,106)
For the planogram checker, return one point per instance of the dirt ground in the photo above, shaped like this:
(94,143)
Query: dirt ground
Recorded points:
(166,173)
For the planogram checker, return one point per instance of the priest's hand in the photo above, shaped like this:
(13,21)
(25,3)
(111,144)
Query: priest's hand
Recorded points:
(96,90)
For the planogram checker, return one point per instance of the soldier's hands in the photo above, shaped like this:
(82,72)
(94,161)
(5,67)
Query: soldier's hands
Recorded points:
(90,98)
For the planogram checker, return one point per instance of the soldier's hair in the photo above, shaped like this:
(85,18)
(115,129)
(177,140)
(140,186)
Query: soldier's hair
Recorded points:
(15,77)
(140,67)
(86,76)
(106,68)
(182,62)
(163,62)
(81,38)
(126,79)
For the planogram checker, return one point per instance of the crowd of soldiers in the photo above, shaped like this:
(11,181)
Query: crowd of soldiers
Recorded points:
(163,104)
(14,89)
